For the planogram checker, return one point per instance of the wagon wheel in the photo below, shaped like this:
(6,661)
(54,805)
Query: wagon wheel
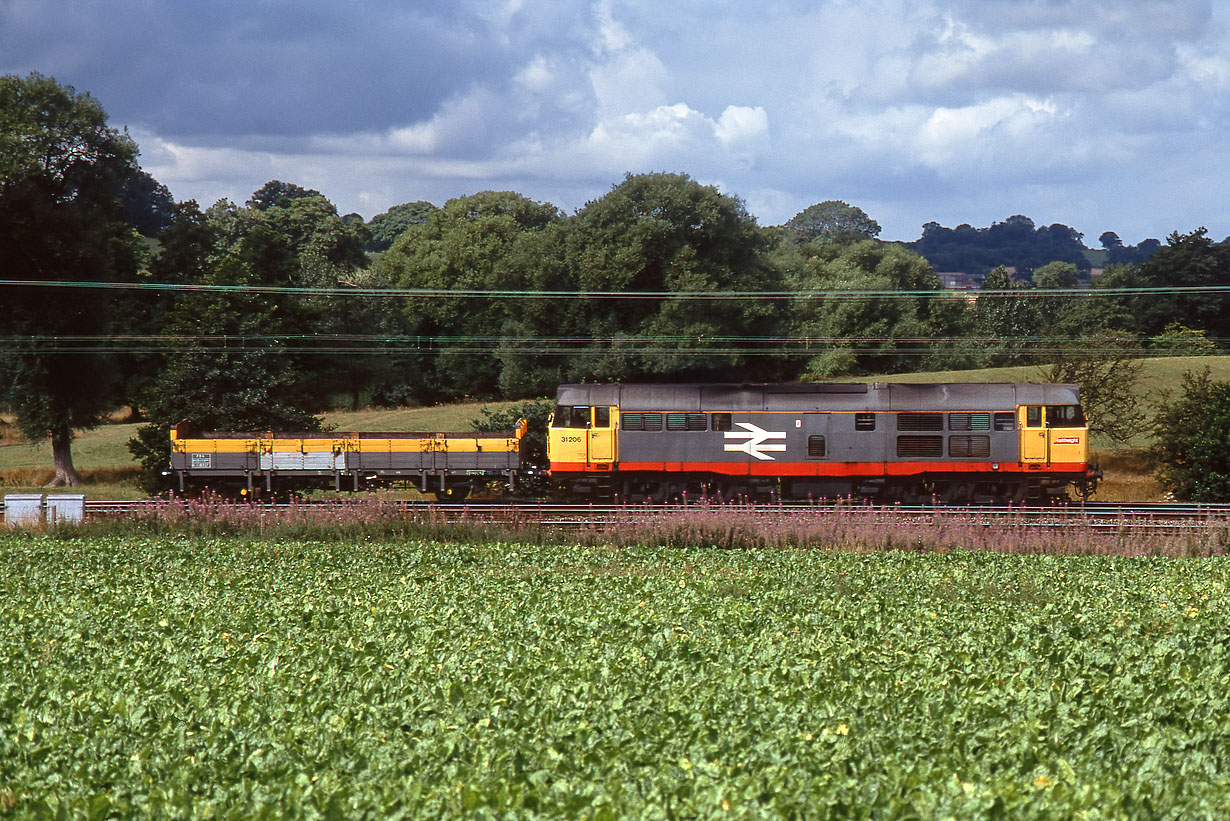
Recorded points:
(456,493)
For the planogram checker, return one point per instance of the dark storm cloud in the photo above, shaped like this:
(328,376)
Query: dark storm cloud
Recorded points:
(201,69)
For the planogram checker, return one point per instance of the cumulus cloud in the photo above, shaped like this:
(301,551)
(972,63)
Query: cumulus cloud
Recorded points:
(959,110)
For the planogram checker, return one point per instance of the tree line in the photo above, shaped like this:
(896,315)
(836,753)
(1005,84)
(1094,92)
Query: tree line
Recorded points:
(260,315)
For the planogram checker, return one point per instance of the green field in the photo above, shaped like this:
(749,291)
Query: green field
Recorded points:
(191,677)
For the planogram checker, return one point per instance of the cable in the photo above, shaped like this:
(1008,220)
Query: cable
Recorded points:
(468,293)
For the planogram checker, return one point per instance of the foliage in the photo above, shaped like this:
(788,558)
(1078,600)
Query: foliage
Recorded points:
(1108,376)
(535,413)
(1176,339)
(229,369)
(1188,261)
(465,246)
(60,168)
(1056,275)
(291,678)
(1132,254)
(148,205)
(385,228)
(658,233)
(872,334)
(1004,324)
(832,221)
(1016,243)
(1191,436)
(310,223)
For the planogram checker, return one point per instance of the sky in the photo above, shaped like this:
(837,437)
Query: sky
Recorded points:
(1100,116)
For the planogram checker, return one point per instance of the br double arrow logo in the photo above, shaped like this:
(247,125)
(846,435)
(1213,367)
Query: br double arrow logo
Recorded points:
(756,438)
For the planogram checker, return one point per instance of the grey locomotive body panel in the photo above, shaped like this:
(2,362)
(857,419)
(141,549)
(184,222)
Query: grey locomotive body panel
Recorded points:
(859,423)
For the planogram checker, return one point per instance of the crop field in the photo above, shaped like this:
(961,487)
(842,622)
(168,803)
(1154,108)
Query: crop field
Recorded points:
(194,676)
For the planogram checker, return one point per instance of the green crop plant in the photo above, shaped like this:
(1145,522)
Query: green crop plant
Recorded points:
(189,676)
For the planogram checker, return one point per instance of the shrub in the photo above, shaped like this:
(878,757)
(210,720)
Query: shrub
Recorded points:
(1191,451)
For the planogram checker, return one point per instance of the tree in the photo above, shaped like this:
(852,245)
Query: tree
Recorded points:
(61,165)
(661,233)
(872,334)
(1108,373)
(1109,240)
(1056,275)
(1005,324)
(1190,261)
(465,246)
(833,221)
(148,205)
(229,368)
(387,227)
(1176,339)
(278,194)
(1191,450)
(1016,243)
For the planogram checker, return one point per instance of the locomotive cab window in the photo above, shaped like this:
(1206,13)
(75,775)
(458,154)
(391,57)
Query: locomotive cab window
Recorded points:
(1033,416)
(1064,416)
(602,417)
(571,416)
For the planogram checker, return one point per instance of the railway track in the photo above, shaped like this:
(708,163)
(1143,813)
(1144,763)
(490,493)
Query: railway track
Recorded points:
(1093,515)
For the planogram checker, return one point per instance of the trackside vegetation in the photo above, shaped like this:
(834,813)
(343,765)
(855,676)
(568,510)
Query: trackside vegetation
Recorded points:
(186,675)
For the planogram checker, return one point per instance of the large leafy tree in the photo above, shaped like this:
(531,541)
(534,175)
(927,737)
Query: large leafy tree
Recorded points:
(664,234)
(61,166)
(385,228)
(1005,326)
(850,333)
(329,252)
(834,221)
(229,367)
(468,245)
(1192,261)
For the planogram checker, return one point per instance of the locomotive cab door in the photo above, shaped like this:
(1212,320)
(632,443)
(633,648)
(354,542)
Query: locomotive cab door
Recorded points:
(1035,445)
(602,436)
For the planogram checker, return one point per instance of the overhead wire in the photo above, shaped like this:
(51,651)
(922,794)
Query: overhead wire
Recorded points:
(531,294)
(631,344)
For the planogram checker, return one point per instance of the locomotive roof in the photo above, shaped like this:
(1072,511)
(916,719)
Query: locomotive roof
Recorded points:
(801,396)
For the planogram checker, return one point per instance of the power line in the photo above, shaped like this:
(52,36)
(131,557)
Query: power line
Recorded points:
(652,346)
(500,294)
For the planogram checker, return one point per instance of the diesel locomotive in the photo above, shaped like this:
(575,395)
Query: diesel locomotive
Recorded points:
(888,442)
(892,442)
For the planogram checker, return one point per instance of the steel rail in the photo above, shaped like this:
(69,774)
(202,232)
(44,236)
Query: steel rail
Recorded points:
(1097,515)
